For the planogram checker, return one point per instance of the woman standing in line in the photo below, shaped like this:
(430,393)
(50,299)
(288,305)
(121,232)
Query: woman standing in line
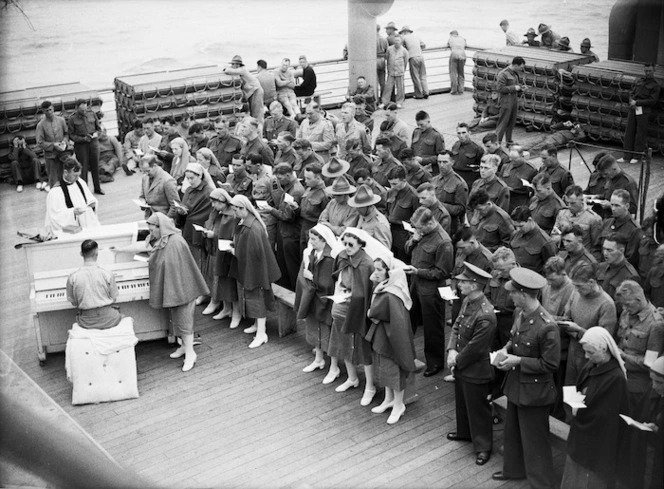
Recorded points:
(390,334)
(255,268)
(175,280)
(181,158)
(221,225)
(314,282)
(353,268)
(195,210)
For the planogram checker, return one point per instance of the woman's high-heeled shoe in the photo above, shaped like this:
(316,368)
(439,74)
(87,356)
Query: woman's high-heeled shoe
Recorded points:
(189,362)
(314,365)
(367,397)
(380,409)
(177,353)
(258,341)
(396,415)
(211,308)
(221,315)
(347,385)
(331,376)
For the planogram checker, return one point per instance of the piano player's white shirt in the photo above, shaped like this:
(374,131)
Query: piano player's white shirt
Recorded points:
(59,216)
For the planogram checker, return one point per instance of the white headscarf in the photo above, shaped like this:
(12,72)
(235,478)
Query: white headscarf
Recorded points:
(397,282)
(181,162)
(330,238)
(198,169)
(373,248)
(601,339)
(241,201)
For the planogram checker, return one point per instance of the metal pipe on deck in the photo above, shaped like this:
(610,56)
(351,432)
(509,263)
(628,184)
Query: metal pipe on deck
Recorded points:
(362,39)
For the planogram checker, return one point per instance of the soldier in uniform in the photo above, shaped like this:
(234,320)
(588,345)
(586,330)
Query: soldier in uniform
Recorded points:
(373,222)
(416,175)
(356,157)
(451,190)
(642,104)
(509,88)
(307,156)
(467,155)
(492,225)
(578,214)
(468,355)
(513,173)
(285,151)
(239,181)
(427,195)
(363,176)
(493,147)
(277,123)
(530,358)
(338,215)
(224,145)
(545,204)
(573,252)
(402,201)
(615,179)
(84,128)
(386,162)
(314,200)
(432,256)
(498,191)
(623,224)
(427,143)
(560,177)
(531,245)
(253,142)
(615,269)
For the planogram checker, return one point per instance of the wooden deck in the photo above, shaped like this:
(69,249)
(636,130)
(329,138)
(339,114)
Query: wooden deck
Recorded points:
(252,418)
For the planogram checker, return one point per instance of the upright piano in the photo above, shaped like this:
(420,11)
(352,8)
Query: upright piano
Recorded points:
(49,265)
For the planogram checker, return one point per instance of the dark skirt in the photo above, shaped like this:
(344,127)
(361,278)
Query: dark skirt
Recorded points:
(349,347)
(255,303)
(576,476)
(225,287)
(317,333)
(387,373)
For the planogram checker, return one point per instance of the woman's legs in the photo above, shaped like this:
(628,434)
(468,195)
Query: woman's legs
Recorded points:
(189,353)
(334,371)
(319,361)
(261,334)
(398,408)
(225,312)
(369,387)
(387,403)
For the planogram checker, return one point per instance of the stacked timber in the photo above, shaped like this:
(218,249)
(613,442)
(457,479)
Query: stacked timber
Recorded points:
(543,102)
(600,100)
(197,93)
(20,111)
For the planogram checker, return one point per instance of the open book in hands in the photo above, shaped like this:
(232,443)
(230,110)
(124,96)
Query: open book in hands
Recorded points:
(495,357)
(573,398)
(447,293)
(338,297)
(636,424)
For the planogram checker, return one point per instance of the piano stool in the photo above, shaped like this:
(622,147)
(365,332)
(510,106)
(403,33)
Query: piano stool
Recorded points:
(102,378)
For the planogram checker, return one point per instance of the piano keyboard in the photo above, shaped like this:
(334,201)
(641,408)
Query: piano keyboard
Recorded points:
(53,300)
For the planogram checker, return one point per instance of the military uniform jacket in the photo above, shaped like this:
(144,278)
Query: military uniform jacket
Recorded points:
(646,94)
(504,157)
(225,148)
(532,249)
(313,203)
(401,204)
(452,191)
(560,178)
(544,212)
(288,215)
(417,176)
(427,144)
(514,171)
(625,182)
(611,276)
(301,165)
(572,262)
(589,222)
(536,339)
(274,126)
(359,161)
(500,297)
(627,228)
(493,230)
(467,157)
(498,191)
(481,258)
(81,126)
(596,184)
(472,335)
(242,186)
(433,257)
(441,215)
(257,146)
(506,80)
(382,169)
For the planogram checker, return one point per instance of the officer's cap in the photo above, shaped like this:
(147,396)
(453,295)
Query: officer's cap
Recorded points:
(524,280)
(472,273)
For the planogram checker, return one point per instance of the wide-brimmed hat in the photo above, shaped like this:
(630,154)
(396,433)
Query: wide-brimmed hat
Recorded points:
(364,197)
(405,29)
(391,25)
(340,186)
(586,43)
(335,168)
(237,59)
(531,32)
(563,41)
(542,28)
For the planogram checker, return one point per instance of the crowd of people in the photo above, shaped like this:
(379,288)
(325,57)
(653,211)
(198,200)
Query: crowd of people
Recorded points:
(559,286)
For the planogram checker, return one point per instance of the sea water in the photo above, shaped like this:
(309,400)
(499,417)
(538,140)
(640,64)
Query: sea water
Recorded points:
(93,41)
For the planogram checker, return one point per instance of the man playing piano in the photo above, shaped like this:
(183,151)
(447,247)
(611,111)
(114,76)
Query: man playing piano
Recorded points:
(70,206)
(92,290)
